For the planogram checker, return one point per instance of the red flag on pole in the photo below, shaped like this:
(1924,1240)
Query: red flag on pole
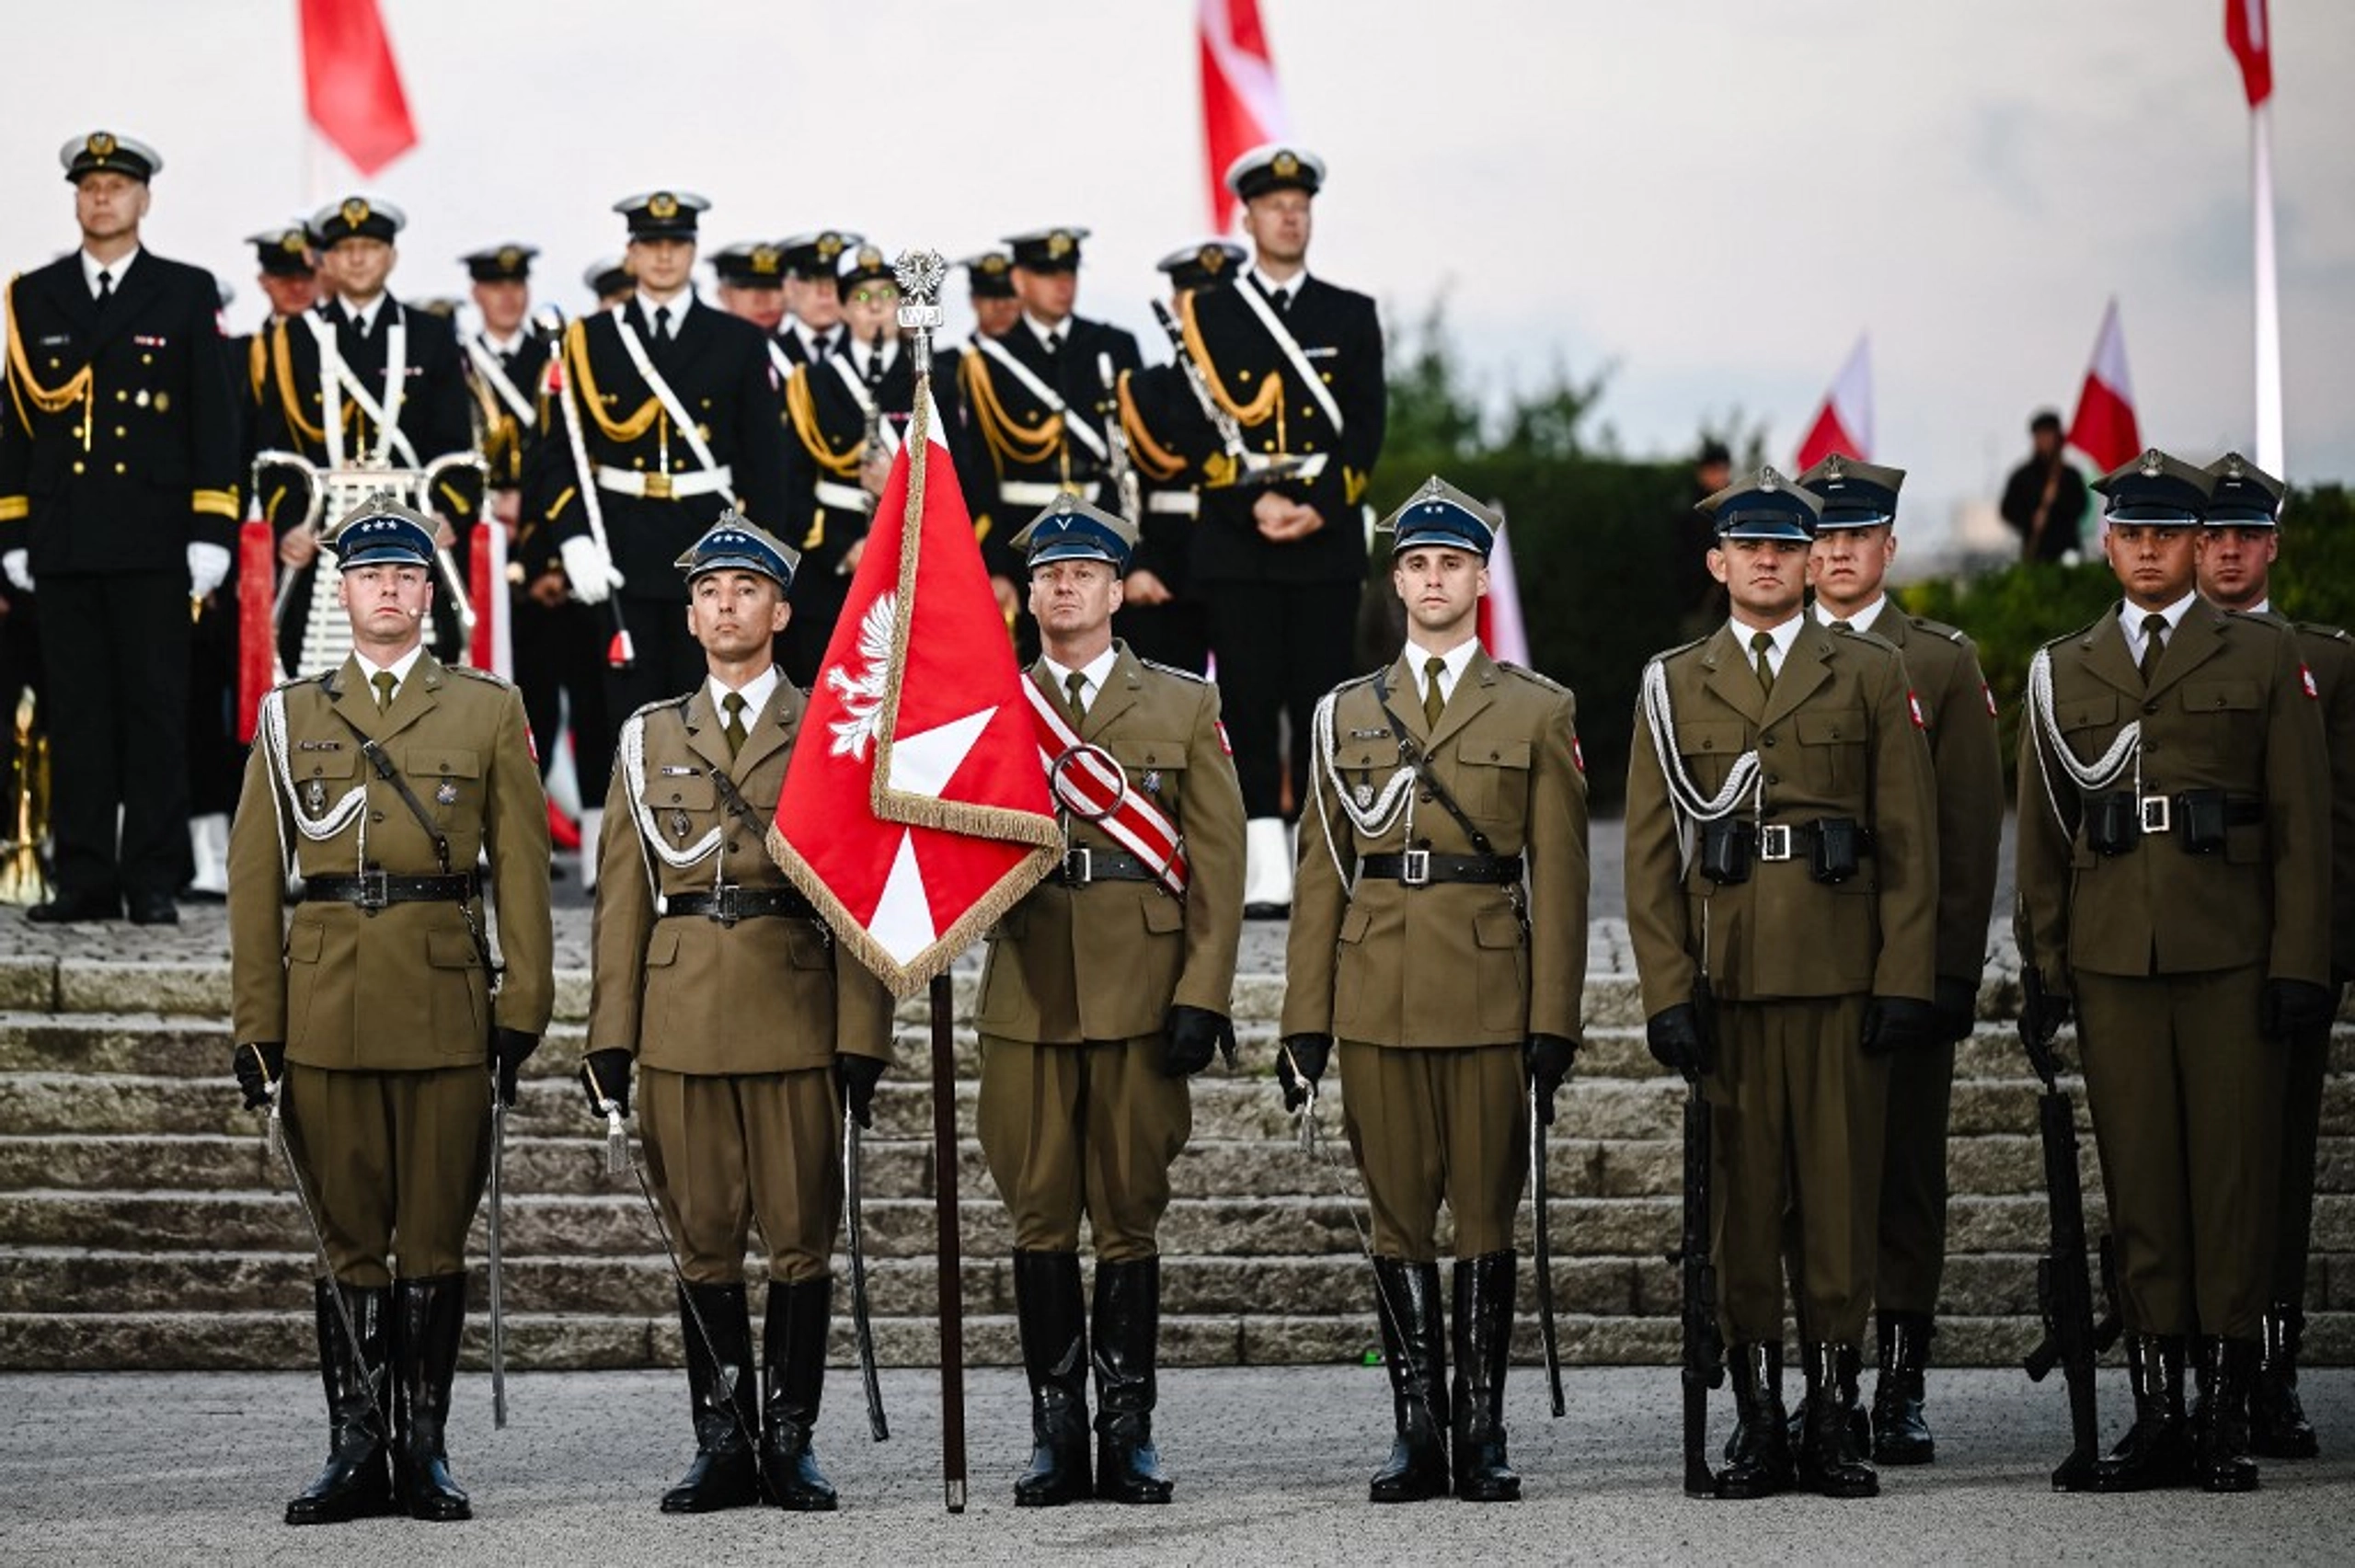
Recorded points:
(915,812)
(2105,429)
(352,84)
(2249,33)
(1242,108)
(1844,423)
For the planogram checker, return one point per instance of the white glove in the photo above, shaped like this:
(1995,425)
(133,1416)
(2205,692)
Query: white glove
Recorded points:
(590,569)
(208,568)
(19,569)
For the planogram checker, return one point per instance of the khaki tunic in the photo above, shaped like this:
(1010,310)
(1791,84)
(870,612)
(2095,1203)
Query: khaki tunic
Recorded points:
(2167,952)
(736,1028)
(1077,1117)
(384,1014)
(1465,971)
(1800,1108)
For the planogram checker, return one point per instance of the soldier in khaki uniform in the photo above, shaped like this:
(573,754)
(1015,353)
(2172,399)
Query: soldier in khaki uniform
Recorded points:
(752,1029)
(374,789)
(2240,539)
(1438,932)
(1104,990)
(1856,540)
(1782,840)
(2173,866)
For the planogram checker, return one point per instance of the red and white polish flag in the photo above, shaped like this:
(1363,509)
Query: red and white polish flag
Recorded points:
(352,84)
(915,811)
(1242,107)
(2105,428)
(1844,423)
(2248,33)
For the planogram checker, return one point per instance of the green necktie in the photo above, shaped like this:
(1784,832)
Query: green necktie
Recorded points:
(1075,685)
(733,726)
(1759,644)
(1434,700)
(384,681)
(2155,643)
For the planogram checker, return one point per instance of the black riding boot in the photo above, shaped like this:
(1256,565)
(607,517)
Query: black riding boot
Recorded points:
(427,1317)
(1483,1345)
(725,1472)
(1830,1461)
(2279,1429)
(1414,1348)
(1052,1318)
(793,1355)
(1128,1327)
(1900,1430)
(1758,1457)
(357,1483)
(2220,1459)
(2156,1450)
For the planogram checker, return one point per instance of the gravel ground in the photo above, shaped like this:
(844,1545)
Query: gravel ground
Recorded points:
(1270,1464)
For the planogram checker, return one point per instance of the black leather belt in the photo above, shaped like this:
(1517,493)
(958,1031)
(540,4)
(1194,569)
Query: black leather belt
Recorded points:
(1785,840)
(1421,868)
(1082,865)
(374,889)
(730,903)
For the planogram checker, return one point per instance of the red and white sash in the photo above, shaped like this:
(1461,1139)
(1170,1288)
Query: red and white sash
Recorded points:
(1088,784)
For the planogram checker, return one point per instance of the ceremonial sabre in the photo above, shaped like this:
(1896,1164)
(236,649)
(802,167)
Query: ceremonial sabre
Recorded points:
(1542,1236)
(319,1248)
(498,1257)
(861,1319)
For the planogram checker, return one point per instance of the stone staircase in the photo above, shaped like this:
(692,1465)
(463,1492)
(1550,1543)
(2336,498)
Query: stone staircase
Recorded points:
(143,1223)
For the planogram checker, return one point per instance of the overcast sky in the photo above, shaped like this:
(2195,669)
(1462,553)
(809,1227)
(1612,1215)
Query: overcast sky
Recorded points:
(1712,198)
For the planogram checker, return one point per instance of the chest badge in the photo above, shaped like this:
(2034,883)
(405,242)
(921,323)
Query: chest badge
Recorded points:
(680,826)
(447,794)
(1152,782)
(1364,796)
(315,798)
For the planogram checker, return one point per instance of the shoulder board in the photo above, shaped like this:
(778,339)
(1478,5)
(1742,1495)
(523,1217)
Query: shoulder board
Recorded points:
(2089,629)
(1693,646)
(318,680)
(679,702)
(487,677)
(1532,676)
(1954,635)
(1367,679)
(2318,629)
(1172,670)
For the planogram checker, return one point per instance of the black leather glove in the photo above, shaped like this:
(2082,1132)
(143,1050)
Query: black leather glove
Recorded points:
(1548,1058)
(604,1075)
(1958,1005)
(1673,1034)
(257,1065)
(1300,1064)
(509,1050)
(859,1076)
(2295,1007)
(1190,1037)
(1898,1023)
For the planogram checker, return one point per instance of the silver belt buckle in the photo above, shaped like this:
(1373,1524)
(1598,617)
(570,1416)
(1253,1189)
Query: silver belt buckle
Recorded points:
(1079,867)
(1775,842)
(724,908)
(2158,814)
(1415,868)
(375,889)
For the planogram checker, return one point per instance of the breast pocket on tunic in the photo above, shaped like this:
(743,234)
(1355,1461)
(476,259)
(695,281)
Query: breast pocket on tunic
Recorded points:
(683,805)
(1157,771)
(1492,776)
(1832,748)
(448,780)
(1709,748)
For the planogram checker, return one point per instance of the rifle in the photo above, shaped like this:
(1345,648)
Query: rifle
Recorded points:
(2063,1287)
(1705,1348)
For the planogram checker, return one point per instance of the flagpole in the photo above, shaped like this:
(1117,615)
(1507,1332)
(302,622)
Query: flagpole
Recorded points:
(2269,456)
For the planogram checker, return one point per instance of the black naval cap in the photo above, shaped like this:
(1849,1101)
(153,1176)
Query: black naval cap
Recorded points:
(1047,250)
(2155,488)
(612,276)
(1205,266)
(990,274)
(381,532)
(1440,515)
(1275,166)
(1070,530)
(2242,494)
(663,214)
(356,217)
(103,151)
(757,265)
(863,264)
(813,255)
(1856,494)
(1763,506)
(284,253)
(732,544)
(501,263)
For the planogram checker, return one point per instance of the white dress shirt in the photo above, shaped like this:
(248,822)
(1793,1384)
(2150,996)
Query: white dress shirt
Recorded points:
(756,691)
(370,669)
(1862,621)
(2129,621)
(1091,678)
(1785,636)
(92,267)
(1453,662)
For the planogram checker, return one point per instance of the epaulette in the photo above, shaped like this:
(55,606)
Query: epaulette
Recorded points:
(679,702)
(2087,630)
(1954,635)
(1531,675)
(487,677)
(1368,679)
(1693,646)
(1172,670)
(318,680)
(2336,633)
